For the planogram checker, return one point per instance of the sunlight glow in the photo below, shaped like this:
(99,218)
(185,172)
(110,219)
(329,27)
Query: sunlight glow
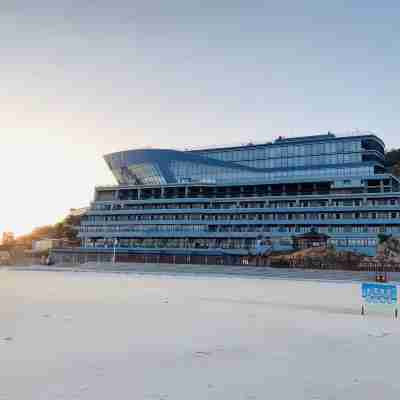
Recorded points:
(43,177)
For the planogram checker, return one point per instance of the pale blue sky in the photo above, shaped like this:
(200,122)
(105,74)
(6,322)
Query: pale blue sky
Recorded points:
(80,80)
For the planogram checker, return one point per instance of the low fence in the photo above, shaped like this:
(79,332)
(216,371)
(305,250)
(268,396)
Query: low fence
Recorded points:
(81,258)
(348,263)
(351,265)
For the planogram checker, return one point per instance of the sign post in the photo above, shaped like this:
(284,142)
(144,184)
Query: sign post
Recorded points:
(379,294)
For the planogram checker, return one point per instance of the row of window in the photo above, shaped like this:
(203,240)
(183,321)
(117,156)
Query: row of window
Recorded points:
(304,161)
(353,242)
(246,217)
(186,171)
(146,228)
(256,190)
(292,229)
(292,150)
(184,243)
(213,243)
(251,204)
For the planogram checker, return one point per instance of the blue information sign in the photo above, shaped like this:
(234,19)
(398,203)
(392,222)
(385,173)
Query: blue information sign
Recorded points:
(379,293)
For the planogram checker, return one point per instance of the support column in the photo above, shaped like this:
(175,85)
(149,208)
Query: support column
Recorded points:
(299,187)
(314,188)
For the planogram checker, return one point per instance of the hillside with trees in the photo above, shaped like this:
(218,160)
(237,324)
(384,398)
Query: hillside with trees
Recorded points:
(65,229)
(393,161)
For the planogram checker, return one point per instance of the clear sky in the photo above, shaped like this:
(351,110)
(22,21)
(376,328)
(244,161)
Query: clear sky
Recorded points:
(83,78)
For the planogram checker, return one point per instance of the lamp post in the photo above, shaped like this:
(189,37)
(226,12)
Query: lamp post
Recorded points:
(115,249)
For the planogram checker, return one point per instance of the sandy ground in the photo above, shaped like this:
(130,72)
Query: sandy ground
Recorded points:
(74,335)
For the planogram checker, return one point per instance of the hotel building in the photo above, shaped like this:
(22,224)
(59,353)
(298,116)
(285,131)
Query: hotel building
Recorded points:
(220,200)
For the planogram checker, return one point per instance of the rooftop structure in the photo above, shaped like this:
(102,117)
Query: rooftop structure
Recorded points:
(315,156)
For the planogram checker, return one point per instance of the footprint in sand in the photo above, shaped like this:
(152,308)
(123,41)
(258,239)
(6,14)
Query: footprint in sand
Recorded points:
(202,353)
(99,371)
(379,334)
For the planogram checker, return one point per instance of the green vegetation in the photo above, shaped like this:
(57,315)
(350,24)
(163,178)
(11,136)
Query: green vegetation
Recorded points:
(382,238)
(393,161)
(65,229)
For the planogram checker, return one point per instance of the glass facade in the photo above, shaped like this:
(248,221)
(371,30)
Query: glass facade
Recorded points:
(319,156)
(143,174)
(192,172)
(274,156)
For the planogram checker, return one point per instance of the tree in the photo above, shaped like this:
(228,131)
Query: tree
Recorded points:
(382,238)
(392,157)
(8,239)
(396,169)
(392,160)
(65,229)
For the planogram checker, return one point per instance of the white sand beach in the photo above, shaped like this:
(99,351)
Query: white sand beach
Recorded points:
(78,336)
